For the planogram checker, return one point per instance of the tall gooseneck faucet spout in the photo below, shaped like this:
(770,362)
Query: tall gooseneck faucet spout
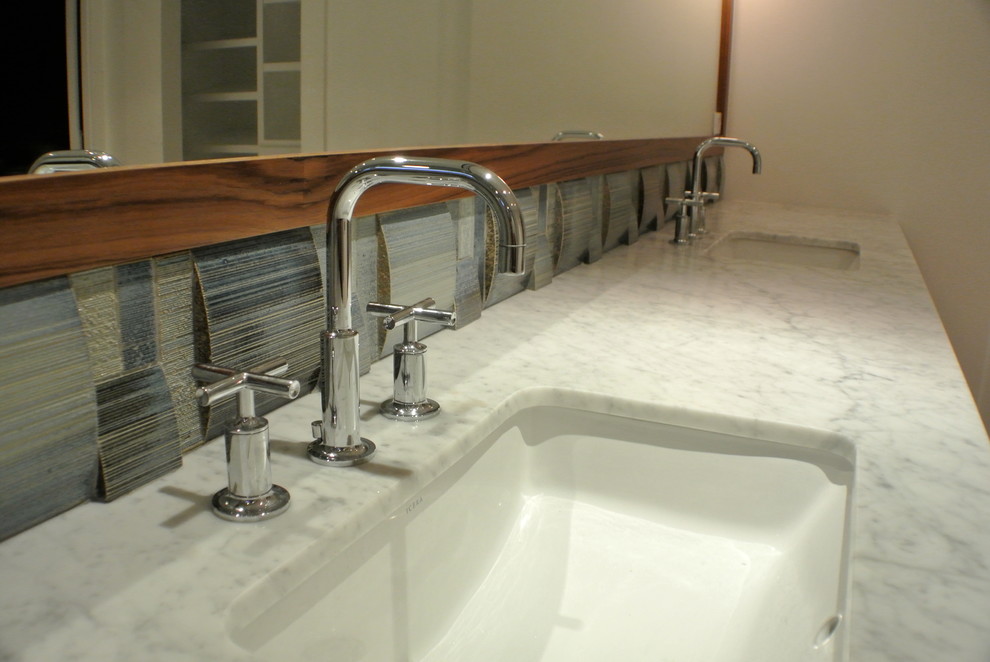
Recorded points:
(722,141)
(338,440)
(696,198)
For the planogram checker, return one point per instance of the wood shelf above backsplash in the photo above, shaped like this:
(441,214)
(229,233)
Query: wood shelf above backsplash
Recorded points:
(58,224)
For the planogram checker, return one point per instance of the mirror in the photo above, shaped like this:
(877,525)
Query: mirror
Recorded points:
(384,74)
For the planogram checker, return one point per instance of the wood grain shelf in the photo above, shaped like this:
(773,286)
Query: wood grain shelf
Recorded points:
(53,225)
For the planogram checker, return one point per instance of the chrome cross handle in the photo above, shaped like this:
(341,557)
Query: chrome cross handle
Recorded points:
(409,401)
(250,494)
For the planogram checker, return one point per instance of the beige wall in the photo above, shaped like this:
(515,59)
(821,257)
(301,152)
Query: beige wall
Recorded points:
(487,71)
(880,105)
(130,102)
(626,68)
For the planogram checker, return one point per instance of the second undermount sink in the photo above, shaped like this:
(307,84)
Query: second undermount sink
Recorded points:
(786,249)
(574,534)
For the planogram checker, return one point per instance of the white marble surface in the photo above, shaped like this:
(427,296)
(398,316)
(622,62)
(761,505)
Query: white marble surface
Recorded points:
(155,576)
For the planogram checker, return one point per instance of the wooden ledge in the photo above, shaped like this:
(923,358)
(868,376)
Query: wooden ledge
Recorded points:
(59,224)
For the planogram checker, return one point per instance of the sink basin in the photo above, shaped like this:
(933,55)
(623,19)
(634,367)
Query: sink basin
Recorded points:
(571,534)
(786,249)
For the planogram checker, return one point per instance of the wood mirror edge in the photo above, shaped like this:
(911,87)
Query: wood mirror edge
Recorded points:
(54,225)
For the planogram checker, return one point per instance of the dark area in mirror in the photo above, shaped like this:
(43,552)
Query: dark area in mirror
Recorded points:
(33,50)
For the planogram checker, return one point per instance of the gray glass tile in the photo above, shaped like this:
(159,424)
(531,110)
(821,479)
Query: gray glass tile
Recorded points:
(138,434)
(623,224)
(174,292)
(599,217)
(713,173)
(654,190)
(135,299)
(578,219)
(419,251)
(261,299)
(503,286)
(96,295)
(470,255)
(48,452)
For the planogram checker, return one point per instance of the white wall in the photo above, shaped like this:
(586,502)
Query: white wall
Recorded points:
(396,73)
(517,70)
(130,87)
(626,68)
(884,106)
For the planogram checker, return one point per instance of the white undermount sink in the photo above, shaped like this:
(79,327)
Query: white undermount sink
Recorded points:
(786,249)
(581,535)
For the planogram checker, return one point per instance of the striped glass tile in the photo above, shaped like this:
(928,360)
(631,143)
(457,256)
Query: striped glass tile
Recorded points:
(712,174)
(419,252)
(502,286)
(538,243)
(48,451)
(136,301)
(262,299)
(599,217)
(96,294)
(623,224)
(469,226)
(174,292)
(138,435)
(578,219)
(653,182)
(553,205)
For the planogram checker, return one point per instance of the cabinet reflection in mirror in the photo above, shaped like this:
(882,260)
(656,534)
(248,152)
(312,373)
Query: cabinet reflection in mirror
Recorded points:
(169,80)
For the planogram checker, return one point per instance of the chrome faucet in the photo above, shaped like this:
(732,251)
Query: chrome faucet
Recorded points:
(250,495)
(695,199)
(337,435)
(70,160)
(586,135)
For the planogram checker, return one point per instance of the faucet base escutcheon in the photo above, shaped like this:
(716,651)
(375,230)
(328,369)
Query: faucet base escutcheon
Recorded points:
(338,456)
(233,508)
(409,411)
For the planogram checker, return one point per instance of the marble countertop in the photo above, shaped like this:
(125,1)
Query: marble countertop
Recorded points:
(861,353)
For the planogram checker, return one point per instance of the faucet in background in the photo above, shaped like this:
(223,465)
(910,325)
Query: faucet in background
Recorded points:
(696,198)
(71,160)
(588,135)
(338,439)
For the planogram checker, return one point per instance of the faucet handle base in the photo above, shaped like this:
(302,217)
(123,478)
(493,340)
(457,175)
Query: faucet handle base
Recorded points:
(236,508)
(409,411)
(338,456)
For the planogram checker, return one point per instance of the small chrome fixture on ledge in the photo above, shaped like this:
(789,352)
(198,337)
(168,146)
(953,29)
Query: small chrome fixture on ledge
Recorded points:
(71,160)
(409,401)
(338,436)
(250,494)
(578,135)
(690,219)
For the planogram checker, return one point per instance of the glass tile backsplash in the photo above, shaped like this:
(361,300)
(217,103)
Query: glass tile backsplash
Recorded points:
(96,395)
